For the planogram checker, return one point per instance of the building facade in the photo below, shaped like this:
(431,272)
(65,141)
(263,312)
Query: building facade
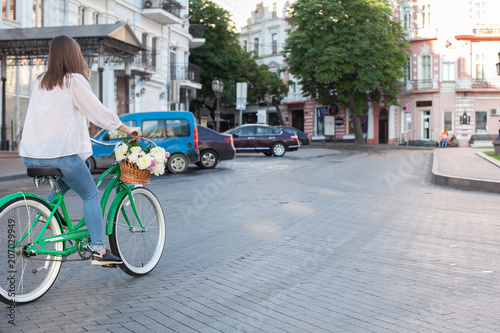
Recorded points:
(451,81)
(157,78)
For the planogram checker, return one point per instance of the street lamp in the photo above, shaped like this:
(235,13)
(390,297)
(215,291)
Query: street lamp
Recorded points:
(4,143)
(218,88)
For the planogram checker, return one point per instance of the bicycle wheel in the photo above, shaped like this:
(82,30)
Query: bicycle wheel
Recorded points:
(24,279)
(140,251)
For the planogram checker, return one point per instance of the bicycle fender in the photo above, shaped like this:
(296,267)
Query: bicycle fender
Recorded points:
(13,196)
(113,209)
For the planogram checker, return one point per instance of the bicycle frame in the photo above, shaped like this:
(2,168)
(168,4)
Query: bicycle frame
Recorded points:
(76,233)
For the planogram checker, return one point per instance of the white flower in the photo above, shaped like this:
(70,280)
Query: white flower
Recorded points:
(136,150)
(159,157)
(133,157)
(159,169)
(143,162)
(121,152)
(156,150)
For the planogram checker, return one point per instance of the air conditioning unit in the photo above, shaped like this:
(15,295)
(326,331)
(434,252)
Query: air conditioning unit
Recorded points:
(151,3)
(495,112)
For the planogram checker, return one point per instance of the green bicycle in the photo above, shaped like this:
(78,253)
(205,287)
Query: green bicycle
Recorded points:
(37,239)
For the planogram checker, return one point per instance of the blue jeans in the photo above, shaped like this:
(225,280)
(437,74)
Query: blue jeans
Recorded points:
(445,143)
(76,176)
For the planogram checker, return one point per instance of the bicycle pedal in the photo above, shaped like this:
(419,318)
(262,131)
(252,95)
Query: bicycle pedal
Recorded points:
(110,266)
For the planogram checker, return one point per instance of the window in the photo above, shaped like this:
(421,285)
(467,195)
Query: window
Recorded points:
(426,16)
(448,120)
(261,130)
(479,12)
(245,45)
(256,45)
(426,67)
(408,70)
(481,122)
(448,68)
(119,135)
(37,13)
(275,10)
(9,9)
(275,43)
(248,130)
(81,15)
(165,128)
(153,51)
(480,67)
(407,18)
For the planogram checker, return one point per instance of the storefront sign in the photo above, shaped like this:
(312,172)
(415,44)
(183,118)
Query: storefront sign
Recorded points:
(339,121)
(330,125)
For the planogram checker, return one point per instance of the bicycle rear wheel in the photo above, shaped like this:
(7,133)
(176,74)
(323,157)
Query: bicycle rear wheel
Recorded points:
(24,279)
(140,250)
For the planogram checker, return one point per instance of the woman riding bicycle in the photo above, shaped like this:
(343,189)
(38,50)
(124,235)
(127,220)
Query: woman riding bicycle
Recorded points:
(55,132)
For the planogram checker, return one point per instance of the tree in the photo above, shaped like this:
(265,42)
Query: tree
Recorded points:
(348,51)
(221,56)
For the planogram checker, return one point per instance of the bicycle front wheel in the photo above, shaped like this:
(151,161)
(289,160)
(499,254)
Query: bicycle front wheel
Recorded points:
(25,277)
(140,249)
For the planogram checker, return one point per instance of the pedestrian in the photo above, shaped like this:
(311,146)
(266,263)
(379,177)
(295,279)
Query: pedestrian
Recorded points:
(444,138)
(55,132)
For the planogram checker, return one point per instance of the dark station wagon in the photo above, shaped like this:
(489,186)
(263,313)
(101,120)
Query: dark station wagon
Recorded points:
(263,139)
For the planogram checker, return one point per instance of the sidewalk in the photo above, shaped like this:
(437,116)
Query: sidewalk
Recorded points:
(461,168)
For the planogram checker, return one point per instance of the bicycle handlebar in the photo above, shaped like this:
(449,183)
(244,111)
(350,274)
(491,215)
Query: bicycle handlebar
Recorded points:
(103,143)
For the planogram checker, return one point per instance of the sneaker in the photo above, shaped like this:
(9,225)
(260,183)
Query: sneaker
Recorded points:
(105,259)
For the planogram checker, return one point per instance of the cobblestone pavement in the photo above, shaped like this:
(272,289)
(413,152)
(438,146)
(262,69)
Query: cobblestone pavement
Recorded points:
(316,241)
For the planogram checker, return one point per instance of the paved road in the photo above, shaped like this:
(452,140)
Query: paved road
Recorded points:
(317,241)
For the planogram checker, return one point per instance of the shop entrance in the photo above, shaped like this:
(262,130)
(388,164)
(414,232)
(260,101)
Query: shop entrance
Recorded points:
(383,122)
(298,119)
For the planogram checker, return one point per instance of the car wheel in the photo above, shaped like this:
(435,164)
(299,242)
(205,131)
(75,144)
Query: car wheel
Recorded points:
(177,163)
(278,149)
(208,159)
(91,164)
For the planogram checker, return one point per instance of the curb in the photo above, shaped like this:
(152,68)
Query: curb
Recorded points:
(462,183)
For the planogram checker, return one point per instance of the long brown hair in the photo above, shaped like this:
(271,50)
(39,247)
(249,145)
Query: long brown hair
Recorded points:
(65,57)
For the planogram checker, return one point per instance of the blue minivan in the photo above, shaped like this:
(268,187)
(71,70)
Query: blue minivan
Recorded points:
(175,131)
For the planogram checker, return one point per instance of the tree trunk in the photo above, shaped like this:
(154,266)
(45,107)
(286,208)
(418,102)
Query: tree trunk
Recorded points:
(280,115)
(356,123)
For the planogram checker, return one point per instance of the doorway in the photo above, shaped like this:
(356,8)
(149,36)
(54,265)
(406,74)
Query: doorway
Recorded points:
(426,125)
(383,123)
(298,119)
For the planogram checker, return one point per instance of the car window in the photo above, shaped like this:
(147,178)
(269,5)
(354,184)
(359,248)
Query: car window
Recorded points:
(266,130)
(202,131)
(153,129)
(165,128)
(119,135)
(178,127)
(247,130)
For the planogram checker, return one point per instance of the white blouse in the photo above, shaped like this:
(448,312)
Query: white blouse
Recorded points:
(56,120)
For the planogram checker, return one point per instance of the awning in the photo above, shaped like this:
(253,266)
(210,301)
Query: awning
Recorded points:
(113,40)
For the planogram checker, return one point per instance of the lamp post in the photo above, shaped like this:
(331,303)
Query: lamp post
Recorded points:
(218,88)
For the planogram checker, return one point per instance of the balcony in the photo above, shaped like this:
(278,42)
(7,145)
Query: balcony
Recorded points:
(423,33)
(163,11)
(145,61)
(187,76)
(197,31)
(415,86)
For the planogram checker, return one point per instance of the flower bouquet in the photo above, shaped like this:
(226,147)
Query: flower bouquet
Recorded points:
(138,164)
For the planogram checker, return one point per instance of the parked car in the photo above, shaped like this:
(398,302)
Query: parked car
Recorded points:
(263,139)
(304,138)
(214,147)
(175,131)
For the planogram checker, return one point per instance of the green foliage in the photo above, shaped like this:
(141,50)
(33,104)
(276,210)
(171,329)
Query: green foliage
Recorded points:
(221,56)
(347,51)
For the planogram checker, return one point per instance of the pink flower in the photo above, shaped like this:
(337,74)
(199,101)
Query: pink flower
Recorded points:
(153,165)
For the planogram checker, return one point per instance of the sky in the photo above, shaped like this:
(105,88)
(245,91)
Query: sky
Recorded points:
(240,10)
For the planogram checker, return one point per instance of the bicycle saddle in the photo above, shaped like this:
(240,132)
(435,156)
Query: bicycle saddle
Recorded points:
(44,172)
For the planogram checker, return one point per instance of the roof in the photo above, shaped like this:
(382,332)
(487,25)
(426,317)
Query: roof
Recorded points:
(118,39)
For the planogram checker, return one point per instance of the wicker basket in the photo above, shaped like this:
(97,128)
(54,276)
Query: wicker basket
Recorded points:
(130,172)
